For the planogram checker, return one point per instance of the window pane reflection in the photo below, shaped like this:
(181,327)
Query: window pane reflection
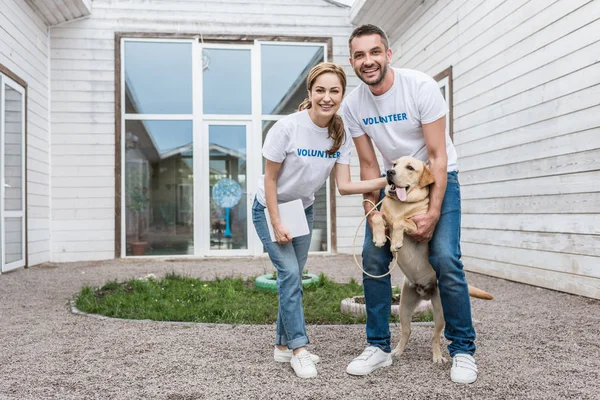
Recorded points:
(266,125)
(226,81)
(158,78)
(159,187)
(228,212)
(13,150)
(284,70)
(318,240)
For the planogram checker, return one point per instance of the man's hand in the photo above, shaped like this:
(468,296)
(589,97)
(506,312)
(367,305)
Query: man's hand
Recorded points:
(425,226)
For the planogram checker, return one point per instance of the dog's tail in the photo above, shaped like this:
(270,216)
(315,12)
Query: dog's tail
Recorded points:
(480,294)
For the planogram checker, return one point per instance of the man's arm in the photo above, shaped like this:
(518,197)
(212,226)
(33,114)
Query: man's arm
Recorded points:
(369,169)
(435,142)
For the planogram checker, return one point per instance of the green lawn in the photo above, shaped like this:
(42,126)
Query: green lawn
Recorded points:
(228,300)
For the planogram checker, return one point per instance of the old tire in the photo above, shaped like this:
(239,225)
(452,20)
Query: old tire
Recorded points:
(266,282)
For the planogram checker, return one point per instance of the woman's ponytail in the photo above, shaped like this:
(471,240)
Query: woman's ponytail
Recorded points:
(305,105)
(337,133)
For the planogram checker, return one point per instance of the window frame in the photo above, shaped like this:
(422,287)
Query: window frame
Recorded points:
(444,79)
(15,80)
(199,119)
(329,184)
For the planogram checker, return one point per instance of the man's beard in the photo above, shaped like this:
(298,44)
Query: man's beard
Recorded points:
(378,81)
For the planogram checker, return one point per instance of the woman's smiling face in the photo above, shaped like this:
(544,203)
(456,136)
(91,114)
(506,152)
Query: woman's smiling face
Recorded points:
(326,97)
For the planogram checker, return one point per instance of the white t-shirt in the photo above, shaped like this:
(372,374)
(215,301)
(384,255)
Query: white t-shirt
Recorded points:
(394,119)
(302,147)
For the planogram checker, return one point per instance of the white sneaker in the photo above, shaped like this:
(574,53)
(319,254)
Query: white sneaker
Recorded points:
(286,355)
(370,359)
(464,369)
(303,365)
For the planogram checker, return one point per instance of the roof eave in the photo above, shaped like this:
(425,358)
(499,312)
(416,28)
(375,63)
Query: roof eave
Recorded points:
(56,12)
(389,15)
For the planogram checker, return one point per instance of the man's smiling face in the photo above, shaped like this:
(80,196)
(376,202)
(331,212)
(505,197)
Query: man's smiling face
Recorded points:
(370,59)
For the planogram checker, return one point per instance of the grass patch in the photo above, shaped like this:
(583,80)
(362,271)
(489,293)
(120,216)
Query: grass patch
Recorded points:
(228,300)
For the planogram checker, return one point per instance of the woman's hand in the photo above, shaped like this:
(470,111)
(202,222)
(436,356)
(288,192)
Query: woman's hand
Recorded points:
(282,235)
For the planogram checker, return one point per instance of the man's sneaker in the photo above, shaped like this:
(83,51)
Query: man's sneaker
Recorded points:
(370,359)
(464,369)
(285,356)
(303,365)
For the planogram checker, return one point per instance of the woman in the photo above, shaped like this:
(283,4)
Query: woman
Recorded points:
(301,150)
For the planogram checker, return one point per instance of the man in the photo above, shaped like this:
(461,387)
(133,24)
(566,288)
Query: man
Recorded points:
(403,113)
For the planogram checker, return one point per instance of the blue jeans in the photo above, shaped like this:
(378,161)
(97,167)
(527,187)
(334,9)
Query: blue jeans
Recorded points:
(289,260)
(444,256)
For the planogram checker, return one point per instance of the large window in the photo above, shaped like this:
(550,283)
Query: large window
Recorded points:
(284,71)
(193,118)
(157,139)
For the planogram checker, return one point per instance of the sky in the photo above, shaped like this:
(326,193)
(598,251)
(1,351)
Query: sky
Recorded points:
(160,77)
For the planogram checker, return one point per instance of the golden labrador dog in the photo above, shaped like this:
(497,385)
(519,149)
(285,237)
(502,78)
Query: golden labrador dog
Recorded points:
(407,195)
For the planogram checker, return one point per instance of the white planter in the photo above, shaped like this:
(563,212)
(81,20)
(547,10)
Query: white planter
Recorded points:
(352,307)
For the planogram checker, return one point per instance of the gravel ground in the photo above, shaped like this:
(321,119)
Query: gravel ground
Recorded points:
(532,344)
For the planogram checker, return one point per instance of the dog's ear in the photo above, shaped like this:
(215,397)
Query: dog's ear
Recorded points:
(426,177)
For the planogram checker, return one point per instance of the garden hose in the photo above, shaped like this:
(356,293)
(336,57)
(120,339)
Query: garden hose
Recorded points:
(354,242)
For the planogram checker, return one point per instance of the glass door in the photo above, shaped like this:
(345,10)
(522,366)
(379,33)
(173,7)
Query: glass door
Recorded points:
(12,174)
(226,108)
(228,205)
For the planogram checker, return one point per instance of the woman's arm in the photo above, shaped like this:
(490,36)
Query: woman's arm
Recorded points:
(282,235)
(346,186)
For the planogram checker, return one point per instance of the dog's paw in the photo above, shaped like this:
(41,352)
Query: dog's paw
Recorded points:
(438,359)
(379,241)
(396,352)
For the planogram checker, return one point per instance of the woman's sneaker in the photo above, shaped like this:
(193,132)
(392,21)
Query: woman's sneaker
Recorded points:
(464,369)
(370,359)
(303,365)
(285,356)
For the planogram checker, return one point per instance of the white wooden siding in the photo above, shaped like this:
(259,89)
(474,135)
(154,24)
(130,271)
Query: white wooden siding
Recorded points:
(24,51)
(526,128)
(82,54)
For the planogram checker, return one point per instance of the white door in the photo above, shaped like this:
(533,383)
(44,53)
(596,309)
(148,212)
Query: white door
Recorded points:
(12,174)
(229,151)
(228,173)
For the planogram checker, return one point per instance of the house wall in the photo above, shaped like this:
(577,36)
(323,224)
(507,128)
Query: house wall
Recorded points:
(83,119)
(24,51)
(526,128)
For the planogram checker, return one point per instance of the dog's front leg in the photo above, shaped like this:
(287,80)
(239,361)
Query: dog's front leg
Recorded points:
(400,227)
(409,226)
(378,225)
(397,236)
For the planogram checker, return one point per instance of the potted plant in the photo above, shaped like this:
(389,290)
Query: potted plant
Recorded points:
(138,202)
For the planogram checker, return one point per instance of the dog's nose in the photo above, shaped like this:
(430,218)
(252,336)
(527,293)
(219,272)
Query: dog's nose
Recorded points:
(391,172)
